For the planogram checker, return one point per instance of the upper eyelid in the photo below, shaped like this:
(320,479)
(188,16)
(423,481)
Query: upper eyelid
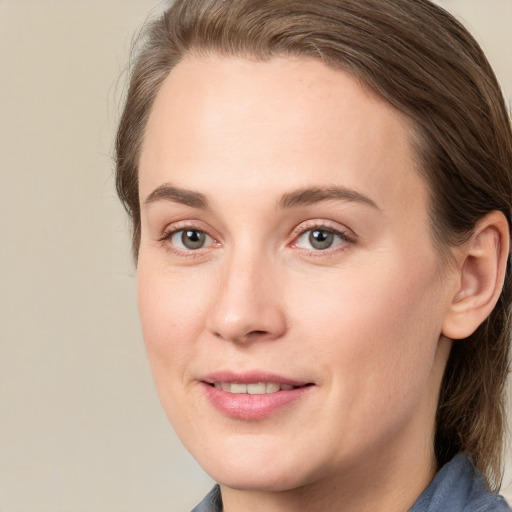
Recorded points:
(324,225)
(345,239)
(173,232)
(184,225)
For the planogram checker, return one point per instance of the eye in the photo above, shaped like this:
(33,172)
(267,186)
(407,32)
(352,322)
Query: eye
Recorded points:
(189,239)
(321,239)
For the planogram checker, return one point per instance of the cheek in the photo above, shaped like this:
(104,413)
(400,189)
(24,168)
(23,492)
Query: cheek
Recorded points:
(375,332)
(171,308)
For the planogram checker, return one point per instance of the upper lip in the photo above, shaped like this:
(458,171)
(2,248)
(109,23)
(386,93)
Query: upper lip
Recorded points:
(251,377)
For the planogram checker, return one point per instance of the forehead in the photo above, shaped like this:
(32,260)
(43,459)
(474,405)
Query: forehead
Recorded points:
(295,120)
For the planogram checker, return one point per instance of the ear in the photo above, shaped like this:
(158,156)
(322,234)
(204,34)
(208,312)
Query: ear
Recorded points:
(481,268)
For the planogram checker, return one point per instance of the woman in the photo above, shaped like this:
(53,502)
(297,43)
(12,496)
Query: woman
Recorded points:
(321,197)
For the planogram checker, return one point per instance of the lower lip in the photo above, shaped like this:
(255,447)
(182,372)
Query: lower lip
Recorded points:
(244,406)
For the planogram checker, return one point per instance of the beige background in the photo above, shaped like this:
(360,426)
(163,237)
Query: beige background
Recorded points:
(80,424)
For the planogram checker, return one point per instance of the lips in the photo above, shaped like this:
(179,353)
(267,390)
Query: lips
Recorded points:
(253,395)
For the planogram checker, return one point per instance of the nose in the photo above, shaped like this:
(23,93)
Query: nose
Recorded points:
(248,306)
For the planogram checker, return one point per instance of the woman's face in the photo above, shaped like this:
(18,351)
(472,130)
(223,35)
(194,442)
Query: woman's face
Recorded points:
(290,294)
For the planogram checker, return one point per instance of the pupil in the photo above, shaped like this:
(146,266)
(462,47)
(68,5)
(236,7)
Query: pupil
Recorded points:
(321,239)
(193,239)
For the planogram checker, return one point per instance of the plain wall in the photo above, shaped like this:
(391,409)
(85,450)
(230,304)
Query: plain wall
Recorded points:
(81,428)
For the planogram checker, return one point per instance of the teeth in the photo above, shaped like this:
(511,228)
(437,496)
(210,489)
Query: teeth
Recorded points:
(238,389)
(272,387)
(257,388)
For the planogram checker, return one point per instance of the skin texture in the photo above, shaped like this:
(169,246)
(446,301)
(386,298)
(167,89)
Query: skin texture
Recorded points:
(362,320)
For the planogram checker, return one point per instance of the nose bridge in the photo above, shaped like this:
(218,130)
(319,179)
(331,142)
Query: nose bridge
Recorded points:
(247,305)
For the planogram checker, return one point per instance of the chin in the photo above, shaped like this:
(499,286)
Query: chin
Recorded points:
(255,470)
(260,480)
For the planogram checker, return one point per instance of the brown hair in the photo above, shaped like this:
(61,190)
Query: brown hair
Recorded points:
(422,61)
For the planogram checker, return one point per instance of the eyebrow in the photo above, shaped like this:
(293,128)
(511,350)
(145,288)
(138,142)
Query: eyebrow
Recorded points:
(297,198)
(167,192)
(308,196)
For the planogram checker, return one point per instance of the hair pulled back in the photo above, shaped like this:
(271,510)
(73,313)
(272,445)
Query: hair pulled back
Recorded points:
(426,64)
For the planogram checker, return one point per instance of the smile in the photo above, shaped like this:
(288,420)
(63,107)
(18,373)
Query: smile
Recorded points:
(254,395)
(256,388)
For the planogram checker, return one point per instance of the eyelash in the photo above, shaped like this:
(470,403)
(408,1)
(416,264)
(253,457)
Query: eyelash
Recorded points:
(345,236)
(173,230)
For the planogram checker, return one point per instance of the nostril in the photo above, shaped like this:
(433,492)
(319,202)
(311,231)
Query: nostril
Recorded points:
(254,335)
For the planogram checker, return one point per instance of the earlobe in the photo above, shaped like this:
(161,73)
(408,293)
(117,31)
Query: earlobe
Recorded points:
(482,267)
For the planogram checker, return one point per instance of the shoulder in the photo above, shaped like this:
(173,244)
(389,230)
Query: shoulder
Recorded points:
(211,503)
(459,487)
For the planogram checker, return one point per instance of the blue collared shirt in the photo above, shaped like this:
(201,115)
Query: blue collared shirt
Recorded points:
(457,487)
